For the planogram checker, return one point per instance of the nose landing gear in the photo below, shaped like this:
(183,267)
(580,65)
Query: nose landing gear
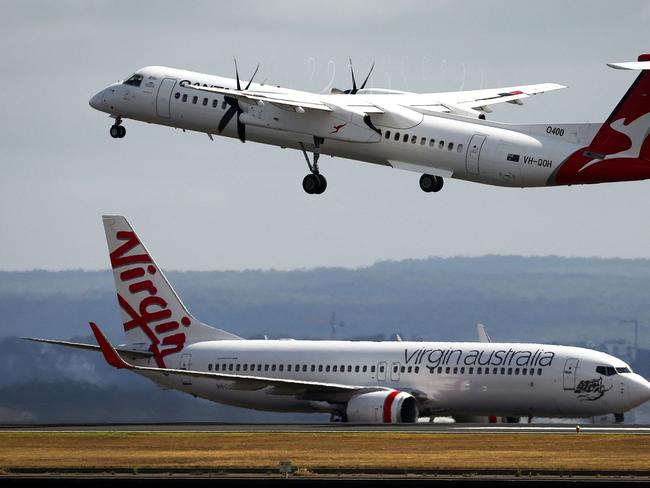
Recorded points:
(314,183)
(118,131)
(430,183)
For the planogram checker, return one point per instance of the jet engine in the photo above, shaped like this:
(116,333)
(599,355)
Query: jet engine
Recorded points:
(387,407)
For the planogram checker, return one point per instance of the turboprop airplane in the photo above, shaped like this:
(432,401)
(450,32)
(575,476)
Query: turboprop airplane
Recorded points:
(441,135)
(355,381)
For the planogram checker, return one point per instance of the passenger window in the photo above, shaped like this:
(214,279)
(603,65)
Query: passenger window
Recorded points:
(342,369)
(410,370)
(364,369)
(381,369)
(327,368)
(320,368)
(495,371)
(432,142)
(395,368)
(471,370)
(417,369)
(487,371)
(304,368)
(524,371)
(450,146)
(479,370)
(195,99)
(532,371)
(313,367)
(238,367)
(281,367)
(177,95)
(414,139)
(387,134)
(224,366)
(396,136)
(459,148)
(403,369)
(439,369)
(447,370)
(503,370)
(334,368)
(405,138)
(231,367)
(205,102)
(185,97)
(224,105)
(462,370)
(509,370)
(350,368)
(372,369)
(289,367)
(516,371)
(245,367)
(216,366)
(273,367)
(423,141)
(215,103)
(266,367)
(441,144)
(210,367)
(539,371)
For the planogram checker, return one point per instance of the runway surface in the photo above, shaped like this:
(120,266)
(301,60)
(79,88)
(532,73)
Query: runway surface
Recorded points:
(335,427)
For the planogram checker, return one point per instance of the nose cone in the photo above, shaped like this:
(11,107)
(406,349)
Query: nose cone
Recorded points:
(639,389)
(97,101)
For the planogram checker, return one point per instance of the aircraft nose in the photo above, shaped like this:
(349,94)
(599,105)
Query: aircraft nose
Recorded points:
(97,100)
(639,389)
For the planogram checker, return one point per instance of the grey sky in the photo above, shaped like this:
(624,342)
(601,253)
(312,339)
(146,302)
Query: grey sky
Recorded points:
(224,205)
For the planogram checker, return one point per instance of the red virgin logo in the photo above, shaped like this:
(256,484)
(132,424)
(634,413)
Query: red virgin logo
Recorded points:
(152,310)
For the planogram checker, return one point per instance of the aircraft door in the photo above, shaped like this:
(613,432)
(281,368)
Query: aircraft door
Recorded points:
(473,154)
(186,361)
(569,380)
(164,97)
(381,371)
(394,372)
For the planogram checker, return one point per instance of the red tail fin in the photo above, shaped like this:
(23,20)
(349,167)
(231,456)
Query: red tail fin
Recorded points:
(620,150)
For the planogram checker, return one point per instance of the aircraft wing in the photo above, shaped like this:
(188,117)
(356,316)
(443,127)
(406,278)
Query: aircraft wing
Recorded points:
(311,390)
(283,100)
(91,347)
(469,103)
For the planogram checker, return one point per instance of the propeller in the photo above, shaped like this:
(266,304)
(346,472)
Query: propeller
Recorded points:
(354,89)
(235,107)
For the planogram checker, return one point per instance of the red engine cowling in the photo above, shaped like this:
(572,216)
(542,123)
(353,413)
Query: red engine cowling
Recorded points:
(382,407)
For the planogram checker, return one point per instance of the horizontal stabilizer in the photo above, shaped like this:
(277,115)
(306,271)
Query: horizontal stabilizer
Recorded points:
(89,347)
(642,63)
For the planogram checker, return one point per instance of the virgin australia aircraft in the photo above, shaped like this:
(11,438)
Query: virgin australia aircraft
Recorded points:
(441,135)
(369,382)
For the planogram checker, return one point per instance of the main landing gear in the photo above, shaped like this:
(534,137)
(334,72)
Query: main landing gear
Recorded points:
(314,183)
(117,129)
(430,183)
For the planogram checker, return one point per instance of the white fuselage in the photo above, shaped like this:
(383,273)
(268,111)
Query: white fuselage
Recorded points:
(483,379)
(441,144)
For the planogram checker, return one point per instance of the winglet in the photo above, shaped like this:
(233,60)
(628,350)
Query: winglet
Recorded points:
(482,333)
(110,354)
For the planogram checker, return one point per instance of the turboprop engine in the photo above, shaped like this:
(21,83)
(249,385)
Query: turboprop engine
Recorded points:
(387,407)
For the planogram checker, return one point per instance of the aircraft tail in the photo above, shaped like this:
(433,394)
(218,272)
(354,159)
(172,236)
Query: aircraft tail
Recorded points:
(152,312)
(620,150)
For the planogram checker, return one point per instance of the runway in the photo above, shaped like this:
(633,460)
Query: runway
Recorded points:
(335,427)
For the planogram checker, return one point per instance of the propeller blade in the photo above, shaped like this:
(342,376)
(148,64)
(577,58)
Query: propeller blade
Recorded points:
(230,113)
(251,80)
(241,128)
(363,85)
(354,82)
(237,75)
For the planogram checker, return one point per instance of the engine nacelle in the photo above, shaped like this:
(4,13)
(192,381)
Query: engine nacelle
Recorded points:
(387,407)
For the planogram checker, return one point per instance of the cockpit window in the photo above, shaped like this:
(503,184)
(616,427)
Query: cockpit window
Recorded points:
(135,80)
(607,370)
(623,370)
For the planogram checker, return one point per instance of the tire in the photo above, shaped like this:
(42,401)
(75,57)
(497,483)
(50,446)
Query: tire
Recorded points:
(122,131)
(439,184)
(322,184)
(311,183)
(427,183)
(115,131)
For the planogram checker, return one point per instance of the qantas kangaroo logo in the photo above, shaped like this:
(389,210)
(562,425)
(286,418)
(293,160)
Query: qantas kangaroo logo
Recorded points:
(337,128)
(152,309)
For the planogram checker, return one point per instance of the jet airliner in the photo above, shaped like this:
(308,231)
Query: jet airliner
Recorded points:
(354,381)
(440,135)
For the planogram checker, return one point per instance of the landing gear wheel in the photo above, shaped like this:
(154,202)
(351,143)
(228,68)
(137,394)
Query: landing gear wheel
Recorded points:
(122,131)
(430,183)
(115,131)
(322,184)
(311,183)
